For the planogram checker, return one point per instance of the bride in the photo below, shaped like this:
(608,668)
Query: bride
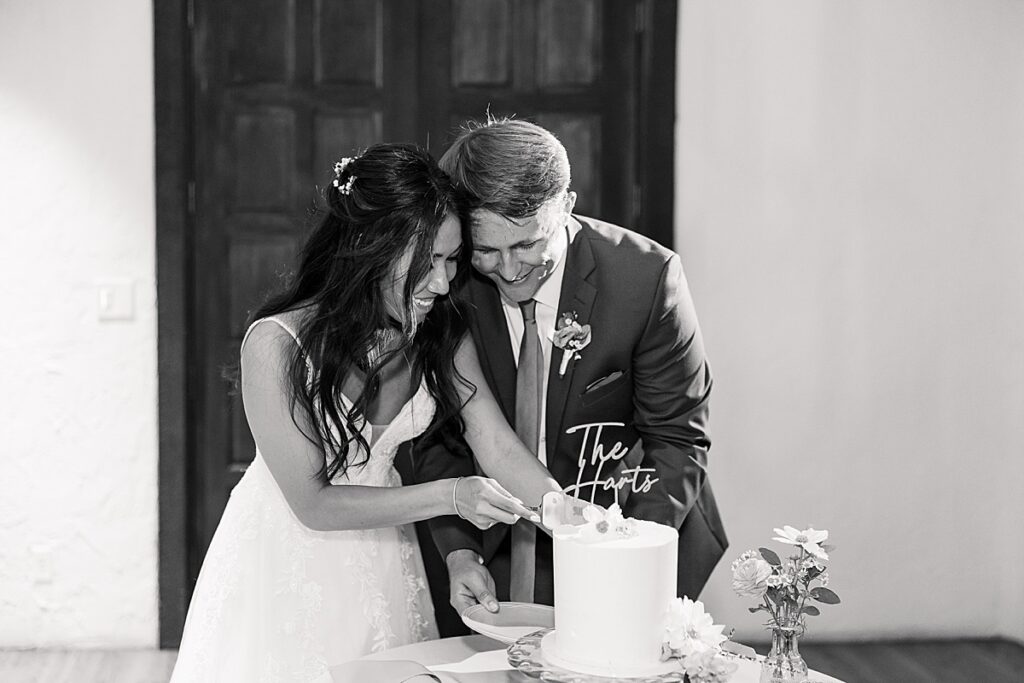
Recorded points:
(314,561)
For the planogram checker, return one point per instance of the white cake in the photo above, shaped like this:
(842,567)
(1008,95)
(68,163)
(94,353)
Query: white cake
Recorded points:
(614,582)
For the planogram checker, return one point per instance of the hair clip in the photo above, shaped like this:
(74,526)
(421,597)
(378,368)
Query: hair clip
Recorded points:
(339,168)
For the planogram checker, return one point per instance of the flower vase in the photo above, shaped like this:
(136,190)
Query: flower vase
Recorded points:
(784,663)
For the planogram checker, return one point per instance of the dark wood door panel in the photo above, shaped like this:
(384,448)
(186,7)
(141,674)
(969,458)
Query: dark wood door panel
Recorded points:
(568,65)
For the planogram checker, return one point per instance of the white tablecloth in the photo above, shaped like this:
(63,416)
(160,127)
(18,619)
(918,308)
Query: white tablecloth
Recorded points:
(403,663)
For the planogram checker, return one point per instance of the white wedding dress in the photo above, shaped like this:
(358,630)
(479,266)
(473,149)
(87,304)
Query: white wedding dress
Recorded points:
(276,601)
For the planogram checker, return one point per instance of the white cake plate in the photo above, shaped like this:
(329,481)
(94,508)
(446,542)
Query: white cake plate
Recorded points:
(527,656)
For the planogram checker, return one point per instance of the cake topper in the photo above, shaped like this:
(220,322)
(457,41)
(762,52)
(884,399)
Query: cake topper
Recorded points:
(629,476)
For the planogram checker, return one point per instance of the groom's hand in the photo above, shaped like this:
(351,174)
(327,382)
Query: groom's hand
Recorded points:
(470,581)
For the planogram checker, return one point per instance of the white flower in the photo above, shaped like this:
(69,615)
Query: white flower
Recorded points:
(709,667)
(809,539)
(746,556)
(690,630)
(749,576)
(788,573)
(611,519)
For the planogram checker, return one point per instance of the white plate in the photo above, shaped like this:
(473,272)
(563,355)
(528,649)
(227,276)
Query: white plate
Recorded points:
(512,621)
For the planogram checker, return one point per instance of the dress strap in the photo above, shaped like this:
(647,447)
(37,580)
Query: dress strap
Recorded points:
(280,323)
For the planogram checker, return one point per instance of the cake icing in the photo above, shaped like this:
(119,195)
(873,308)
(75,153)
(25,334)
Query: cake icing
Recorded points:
(614,581)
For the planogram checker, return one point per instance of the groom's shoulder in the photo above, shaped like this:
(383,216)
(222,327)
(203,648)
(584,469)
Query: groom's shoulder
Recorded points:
(618,246)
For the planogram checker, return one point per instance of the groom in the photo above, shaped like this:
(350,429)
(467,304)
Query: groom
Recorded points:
(588,338)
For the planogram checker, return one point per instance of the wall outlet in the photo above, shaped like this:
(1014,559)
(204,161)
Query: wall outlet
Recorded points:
(115,300)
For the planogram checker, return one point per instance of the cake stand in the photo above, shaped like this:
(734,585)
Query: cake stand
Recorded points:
(527,656)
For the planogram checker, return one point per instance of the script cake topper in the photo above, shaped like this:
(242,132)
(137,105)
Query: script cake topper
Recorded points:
(597,456)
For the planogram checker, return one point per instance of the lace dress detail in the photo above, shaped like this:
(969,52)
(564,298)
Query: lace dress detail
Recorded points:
(278,602)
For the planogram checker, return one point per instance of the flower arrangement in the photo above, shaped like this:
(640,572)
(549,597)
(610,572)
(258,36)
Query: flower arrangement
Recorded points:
(785,587)
(692,637)
(571,337)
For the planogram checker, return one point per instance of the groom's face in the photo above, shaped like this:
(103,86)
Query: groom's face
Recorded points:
(519,254)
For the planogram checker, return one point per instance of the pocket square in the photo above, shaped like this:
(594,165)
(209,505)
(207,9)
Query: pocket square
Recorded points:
(607,379)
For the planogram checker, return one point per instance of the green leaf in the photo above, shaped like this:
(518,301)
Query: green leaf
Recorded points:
(770,557)
(813,573)
(755,609)
(824,595)
(812,610)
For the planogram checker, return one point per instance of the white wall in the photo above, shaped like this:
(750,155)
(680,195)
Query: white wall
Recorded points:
(78,412)
(851,217)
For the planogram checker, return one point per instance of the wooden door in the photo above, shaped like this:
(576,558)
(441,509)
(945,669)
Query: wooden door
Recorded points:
(272,92)
(284,88)
(568,65)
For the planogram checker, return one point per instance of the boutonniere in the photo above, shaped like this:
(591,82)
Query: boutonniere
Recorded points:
(571,337)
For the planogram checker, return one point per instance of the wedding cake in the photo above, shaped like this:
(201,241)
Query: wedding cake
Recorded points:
(615,579)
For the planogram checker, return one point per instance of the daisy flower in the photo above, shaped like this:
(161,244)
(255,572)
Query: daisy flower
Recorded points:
(809,539)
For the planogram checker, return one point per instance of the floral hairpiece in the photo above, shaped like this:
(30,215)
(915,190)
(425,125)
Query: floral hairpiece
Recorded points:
(339,168)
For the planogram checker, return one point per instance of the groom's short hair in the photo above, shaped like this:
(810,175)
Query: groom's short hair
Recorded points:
(507,166)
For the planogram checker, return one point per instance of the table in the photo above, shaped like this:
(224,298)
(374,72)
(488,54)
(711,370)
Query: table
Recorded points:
(394,666)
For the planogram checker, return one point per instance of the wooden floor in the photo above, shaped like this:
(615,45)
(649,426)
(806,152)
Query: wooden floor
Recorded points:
(979,661)
(934,661)
(86,666)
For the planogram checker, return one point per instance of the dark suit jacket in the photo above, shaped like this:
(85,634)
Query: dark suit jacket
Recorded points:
(647,348)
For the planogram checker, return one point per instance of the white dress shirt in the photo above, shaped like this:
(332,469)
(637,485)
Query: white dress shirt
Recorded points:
(546,313)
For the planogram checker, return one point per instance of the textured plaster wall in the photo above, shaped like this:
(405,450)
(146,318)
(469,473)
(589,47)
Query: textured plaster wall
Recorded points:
(850,211)
(78,412)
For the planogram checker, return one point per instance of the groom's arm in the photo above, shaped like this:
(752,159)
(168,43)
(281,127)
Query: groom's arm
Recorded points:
(672,385)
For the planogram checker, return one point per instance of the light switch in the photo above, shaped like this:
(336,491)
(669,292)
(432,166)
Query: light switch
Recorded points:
(42,563)
(115,300)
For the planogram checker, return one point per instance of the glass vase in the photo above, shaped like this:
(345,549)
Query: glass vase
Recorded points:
(784,663)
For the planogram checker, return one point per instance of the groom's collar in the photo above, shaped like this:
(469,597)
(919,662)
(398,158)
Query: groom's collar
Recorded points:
(550,290)
(579,257)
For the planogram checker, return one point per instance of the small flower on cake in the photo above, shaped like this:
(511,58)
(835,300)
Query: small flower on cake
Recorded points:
(571,337)
(692,637)
(610,520)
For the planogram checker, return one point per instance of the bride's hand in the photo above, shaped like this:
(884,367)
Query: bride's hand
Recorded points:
(485,503)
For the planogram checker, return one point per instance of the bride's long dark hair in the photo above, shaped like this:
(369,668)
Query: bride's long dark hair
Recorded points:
(383,202)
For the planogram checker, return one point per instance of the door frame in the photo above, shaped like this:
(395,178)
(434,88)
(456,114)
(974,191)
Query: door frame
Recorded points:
(175,207)
(172,52)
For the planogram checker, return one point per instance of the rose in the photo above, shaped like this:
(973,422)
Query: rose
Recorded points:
(750,576)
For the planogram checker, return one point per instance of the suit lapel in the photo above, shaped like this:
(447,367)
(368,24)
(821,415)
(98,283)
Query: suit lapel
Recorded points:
(490,330)
(578,295)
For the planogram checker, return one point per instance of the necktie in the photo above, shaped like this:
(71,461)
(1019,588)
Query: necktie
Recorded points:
(529,380)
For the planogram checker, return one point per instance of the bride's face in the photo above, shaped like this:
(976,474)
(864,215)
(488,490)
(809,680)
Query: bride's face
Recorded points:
(443,262)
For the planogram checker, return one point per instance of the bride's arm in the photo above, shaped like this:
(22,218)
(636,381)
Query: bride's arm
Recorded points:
(497,448)
(295,462)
